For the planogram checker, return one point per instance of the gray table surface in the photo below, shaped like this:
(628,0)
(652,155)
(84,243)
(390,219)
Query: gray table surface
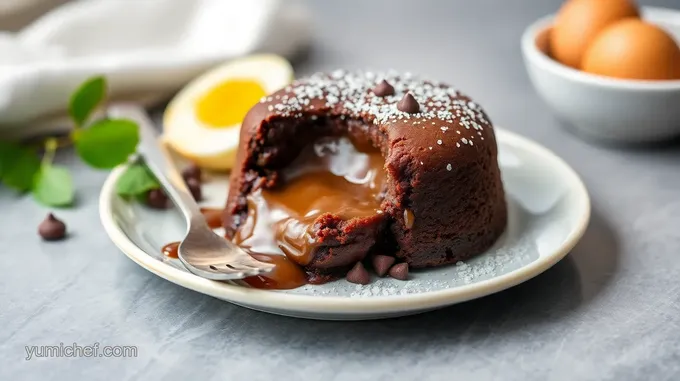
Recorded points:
(609,311)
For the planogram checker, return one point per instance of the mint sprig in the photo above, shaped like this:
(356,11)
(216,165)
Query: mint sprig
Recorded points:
(54,186)
(136,180)
(8,151)
(107,143)
(86,99)
(18,166)
(102,144)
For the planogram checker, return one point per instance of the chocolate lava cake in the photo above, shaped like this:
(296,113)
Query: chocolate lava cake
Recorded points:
(409,171)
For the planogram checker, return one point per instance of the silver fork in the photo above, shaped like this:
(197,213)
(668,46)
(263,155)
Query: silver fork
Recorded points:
(202,252)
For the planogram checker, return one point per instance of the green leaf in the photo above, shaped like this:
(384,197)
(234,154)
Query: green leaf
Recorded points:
(136,180)
(8,153)
(19,167)
(54,186)
(107,143)
(86,99)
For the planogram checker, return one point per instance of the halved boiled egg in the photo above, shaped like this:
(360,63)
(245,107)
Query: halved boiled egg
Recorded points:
(203,121)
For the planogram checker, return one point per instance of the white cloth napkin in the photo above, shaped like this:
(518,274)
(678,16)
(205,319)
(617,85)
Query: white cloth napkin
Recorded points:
(147,49)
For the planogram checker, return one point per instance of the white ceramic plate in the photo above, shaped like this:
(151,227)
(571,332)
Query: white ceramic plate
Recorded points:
(549,210)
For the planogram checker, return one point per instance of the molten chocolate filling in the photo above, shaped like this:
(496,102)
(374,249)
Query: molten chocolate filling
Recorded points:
(332,176)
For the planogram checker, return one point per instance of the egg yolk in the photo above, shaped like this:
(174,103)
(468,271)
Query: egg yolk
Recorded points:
(228,103)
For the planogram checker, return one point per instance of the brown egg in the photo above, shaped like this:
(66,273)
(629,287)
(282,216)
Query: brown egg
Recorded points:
(579,21)
(633,49)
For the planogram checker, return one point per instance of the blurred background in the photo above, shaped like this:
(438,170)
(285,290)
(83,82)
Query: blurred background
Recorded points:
(14,14)
(453,41)
(406,36)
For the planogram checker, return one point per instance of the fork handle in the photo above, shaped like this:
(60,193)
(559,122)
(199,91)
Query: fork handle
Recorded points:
(158,160)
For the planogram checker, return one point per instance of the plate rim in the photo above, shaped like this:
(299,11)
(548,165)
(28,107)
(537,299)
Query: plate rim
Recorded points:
(272,299)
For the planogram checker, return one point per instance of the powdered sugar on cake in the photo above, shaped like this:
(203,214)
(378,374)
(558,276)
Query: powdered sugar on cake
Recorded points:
(351,92)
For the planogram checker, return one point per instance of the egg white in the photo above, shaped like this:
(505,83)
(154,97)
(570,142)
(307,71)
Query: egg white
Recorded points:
(207,145)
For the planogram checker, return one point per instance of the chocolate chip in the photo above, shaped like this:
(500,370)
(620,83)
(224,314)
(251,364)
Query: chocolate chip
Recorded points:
(382,263)
(157,199)
(383,89)
(358,274)
(52,229)
(399,271)
(195,189)
(408,104)
(192,172)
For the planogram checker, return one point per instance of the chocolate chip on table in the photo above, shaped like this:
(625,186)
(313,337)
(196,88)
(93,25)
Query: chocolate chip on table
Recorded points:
(52,229)
(399,271)
(382,263)
(157,199)
(408,104)
(192,172)
(358,274)
(195,189)
(383,89)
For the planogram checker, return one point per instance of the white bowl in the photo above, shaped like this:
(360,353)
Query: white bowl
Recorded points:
(601,107)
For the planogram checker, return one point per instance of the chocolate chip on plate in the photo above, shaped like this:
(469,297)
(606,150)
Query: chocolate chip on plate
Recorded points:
(157,199)
(383,89)
(382,263)
(52,229)
(193,171)
(408,104)
(358,274)
(399,271)
(195,189)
